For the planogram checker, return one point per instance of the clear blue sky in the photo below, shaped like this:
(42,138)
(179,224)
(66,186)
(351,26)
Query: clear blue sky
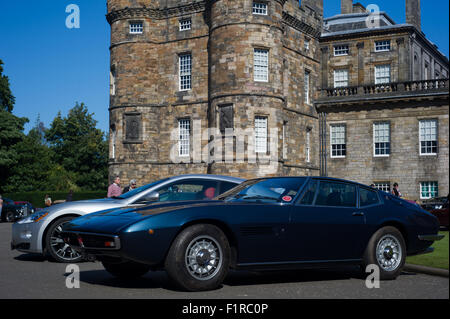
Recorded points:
(52,67)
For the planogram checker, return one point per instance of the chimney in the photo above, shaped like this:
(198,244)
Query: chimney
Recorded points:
(316,5)
(346,6)
(413,13)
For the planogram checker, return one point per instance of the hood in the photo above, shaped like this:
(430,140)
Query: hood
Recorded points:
(111,221)
(86,206)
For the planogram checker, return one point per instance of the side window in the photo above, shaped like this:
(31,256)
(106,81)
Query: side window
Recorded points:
(188,190)
(367,197)
(308,196)
(336,194)
(226,186)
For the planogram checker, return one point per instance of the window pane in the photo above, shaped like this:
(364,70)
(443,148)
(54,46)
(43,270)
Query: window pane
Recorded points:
(185,72)
(367,197)
(341,50)
(336,194)
(382,74)
(308,197)
(259,8)
(136,27)
(383,45)
(338,144)
(184,127)
(261,65)
(188,190)
(428,136)
(261,134)
(185,24)
(381,138)
(340,78)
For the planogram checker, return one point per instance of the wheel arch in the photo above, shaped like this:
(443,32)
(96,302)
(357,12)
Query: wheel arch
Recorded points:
(401,228)
(223,227)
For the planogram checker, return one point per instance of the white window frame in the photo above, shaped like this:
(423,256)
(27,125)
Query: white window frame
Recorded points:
(381,135)
(136,27)
(185,24)
(341,78)
(383,186)
(341,138)
(383,46)
(184,137)
(260,8)
(307,87)
(308,146)
(307,44)
(185,71)
(429,185)
(428,132)
(382,74)
(341,50)
(261,65)
(261,134)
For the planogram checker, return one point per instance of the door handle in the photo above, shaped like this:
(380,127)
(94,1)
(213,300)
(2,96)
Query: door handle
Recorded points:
(358,214)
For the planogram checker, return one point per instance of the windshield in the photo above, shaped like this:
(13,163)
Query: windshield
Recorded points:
(140,189)
(265,190)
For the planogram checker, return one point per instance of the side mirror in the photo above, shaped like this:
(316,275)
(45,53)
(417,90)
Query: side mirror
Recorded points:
(150,197)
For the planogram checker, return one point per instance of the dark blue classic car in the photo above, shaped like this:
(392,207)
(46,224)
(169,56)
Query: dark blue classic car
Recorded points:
(264,223)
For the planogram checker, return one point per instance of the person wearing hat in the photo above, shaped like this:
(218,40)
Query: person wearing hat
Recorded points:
(130,187)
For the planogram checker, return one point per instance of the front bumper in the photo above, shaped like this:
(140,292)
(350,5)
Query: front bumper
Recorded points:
(24,237)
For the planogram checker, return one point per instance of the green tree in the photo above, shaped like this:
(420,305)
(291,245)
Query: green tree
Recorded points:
(7,100)
(80,148)
(34,163)
(11,133)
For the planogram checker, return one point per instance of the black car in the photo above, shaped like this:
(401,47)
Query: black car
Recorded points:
(12,212)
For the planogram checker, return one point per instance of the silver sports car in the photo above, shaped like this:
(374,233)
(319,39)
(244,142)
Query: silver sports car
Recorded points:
(40,232)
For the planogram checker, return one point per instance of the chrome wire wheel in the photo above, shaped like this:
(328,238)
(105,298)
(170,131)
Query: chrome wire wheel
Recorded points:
(59,248)
(203,258)
(389,253)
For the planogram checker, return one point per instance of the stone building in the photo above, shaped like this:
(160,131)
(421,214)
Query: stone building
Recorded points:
(179,67)
(383,105)
(269,87)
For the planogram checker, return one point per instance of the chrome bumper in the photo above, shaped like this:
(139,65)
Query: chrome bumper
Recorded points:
(430,237)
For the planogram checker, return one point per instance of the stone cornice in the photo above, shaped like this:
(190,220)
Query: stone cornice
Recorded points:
(300,25)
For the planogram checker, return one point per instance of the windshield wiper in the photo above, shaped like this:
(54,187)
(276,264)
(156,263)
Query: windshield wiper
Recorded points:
(261,197)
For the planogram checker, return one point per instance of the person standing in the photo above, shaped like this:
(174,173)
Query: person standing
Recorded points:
(396,191)
(1,204)
(130,187)
(114,189)
(47,201)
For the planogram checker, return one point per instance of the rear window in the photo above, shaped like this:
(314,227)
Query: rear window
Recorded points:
(367,197)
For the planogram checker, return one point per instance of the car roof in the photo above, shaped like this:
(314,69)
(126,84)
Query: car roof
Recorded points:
(210,177)
(317,177)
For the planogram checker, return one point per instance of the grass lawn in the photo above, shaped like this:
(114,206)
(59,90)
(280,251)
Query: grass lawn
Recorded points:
(437,259)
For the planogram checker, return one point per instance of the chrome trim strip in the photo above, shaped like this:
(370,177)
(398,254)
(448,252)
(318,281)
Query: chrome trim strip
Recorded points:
(430,237)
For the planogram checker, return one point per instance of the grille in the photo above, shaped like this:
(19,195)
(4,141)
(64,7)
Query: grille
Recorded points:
(91,241)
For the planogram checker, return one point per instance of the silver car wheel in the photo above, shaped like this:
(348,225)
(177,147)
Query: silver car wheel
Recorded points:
(389,253)
(203,258)
(59,247)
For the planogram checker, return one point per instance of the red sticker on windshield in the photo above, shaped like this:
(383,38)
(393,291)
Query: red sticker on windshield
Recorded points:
(287,198)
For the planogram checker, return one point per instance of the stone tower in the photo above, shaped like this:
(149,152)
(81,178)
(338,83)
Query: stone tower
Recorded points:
(237,67)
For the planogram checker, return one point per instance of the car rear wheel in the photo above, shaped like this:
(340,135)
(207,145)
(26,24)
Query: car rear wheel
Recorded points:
(10,217)
(126,269)
(58,250)
(199,258)
(387,250)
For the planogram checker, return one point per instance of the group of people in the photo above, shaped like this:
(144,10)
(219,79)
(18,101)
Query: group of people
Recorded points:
(115,190)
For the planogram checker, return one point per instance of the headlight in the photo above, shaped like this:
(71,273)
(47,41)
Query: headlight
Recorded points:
(33,218)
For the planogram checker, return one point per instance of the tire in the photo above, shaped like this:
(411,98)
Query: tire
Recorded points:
(199,258)
(387,250)
(55,246)
(10,217)
(126,269)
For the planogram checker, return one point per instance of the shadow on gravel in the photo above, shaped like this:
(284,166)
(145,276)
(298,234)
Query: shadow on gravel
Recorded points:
(160,280)
(31,257)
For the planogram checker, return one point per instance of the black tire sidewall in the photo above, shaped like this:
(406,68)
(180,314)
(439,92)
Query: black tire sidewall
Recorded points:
(48,235)
(370,253)
(175,261)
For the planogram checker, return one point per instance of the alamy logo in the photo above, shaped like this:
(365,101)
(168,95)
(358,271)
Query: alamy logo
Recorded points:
(373,280)
(73,277)
(73,19)
(374,18)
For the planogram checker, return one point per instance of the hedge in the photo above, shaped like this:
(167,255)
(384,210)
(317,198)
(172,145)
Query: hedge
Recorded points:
(37,198)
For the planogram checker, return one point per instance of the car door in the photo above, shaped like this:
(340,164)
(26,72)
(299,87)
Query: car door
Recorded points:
(326,224)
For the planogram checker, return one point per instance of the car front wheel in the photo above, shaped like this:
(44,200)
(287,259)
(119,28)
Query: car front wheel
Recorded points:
(387,250)
(55,245)
(199,258)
